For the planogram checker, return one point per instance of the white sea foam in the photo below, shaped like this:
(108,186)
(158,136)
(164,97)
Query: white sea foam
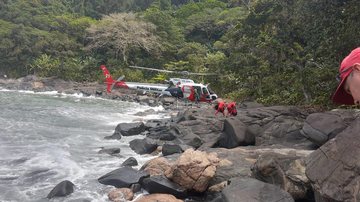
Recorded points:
(59,139)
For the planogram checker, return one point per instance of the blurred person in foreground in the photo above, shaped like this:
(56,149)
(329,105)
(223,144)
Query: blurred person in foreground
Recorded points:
(348,90)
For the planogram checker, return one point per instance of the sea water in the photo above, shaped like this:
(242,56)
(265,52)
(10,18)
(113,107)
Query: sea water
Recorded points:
(48,137)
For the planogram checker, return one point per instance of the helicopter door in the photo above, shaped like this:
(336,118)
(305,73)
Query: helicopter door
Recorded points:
(188,92)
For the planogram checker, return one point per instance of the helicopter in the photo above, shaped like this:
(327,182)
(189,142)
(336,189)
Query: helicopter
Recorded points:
(177,87)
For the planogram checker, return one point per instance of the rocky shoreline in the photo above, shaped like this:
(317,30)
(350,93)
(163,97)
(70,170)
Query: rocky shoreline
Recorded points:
(277,153)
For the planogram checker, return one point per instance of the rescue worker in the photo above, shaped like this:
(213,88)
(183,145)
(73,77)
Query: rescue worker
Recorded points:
(220,107)
(231,108)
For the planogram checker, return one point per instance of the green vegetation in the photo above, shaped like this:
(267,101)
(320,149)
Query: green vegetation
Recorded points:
(271,51)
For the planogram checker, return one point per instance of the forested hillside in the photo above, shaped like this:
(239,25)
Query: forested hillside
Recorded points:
(272,51)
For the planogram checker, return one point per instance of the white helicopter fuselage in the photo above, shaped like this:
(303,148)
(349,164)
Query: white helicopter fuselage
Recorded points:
(147,87)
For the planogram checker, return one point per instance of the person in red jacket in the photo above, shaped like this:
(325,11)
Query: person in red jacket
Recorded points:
(231,108)
(348,90)
(220,107)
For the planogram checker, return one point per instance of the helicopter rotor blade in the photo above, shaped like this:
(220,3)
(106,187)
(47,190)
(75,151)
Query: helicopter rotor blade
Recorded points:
(169,71)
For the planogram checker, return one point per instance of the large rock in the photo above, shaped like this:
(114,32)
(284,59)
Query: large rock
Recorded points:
(235,134)
(248,189)
(157,166)
(193,170)
(123,177)
(129,129)
(160,184)
(276,125)
(131,161)
(238,162)
(64,188)
(121,195)
(334,169)
(161,133)
(168,149)
(287,171)
(158,198)
(143,146)
(321,127)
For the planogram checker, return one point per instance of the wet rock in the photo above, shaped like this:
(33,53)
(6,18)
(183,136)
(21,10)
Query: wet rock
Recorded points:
(129,129)
(131,161)
(160,184)
(248,189)
(146,112)
(110,151)
(114,136)
(123,177)
(143,146)
(64,188)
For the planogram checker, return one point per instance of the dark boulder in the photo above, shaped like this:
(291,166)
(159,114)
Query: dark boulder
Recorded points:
(129,129)
(110,151)
(64,188)
(161,133)
(122,177)
(168,149)
(334,169)
(248,189)
(143,146)
(160,184)
(321,127)
(235,134)
(131,161)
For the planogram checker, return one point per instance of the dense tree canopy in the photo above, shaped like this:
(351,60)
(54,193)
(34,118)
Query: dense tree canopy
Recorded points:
(271,51)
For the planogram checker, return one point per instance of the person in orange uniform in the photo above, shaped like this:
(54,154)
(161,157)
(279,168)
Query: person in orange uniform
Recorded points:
(231,108)
(220,107)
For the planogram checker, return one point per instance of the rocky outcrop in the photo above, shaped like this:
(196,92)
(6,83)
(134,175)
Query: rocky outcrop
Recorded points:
(287,171)
(321,127)
(334,169)
(238,162)
(193,170)
(235,133)
(248,189)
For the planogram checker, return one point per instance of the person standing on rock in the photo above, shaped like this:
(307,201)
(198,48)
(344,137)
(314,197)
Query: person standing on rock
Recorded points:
(348,90)
(231,108)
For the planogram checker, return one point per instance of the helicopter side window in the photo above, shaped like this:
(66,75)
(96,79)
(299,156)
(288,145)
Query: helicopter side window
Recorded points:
(205,91)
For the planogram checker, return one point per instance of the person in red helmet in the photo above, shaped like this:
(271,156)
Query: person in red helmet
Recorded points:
(348,90)
(220,107)
(231,108)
